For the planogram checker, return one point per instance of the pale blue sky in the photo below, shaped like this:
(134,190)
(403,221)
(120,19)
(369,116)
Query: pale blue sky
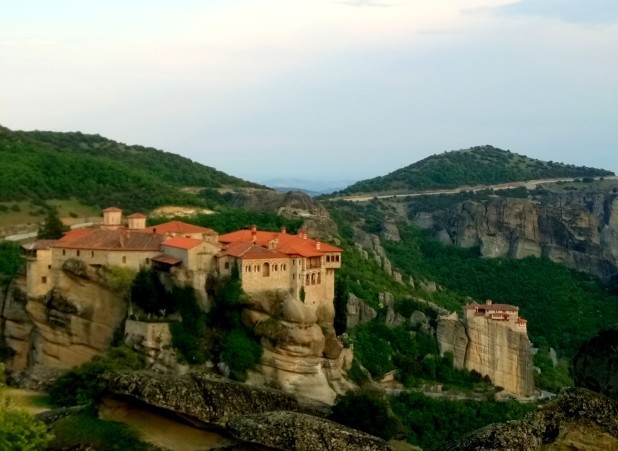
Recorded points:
(318,89)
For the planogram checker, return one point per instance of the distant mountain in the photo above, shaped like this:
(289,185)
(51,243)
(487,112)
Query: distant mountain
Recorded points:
(483,165)
(310,187)
(39,166)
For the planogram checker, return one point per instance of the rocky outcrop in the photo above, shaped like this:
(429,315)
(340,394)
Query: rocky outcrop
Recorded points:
(244,416)
(595,366)
(292,205)
(288,430)
(452,338)
(301,351)
(68,326)
(576,420)
(358,312)
(490,348)
(576,229)
(502,354)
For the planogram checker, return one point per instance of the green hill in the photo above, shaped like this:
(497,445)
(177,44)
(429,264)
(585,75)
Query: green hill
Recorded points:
(38,166)
(483,165)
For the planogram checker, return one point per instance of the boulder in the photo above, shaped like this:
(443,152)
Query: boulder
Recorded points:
(290,430)
(358,312)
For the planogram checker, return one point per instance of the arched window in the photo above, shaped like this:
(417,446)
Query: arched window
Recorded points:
(266,269)
(275,267)
(313,279)
(283,267)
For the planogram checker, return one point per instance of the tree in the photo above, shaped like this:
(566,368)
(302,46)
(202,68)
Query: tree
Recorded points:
(366,410)
(19,431)
(52,227)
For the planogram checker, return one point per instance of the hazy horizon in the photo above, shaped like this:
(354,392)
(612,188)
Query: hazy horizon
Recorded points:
(320,90)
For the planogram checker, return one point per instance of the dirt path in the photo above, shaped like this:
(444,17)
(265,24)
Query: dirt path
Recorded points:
(530,184)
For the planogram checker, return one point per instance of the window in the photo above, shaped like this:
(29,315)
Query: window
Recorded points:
(124,259)
(308,280)
(77,253)
(266,270)
(319,278)
(64,252)
(227,265)
(328,259)
(48,266)
(43,279)
(92,254)
(283,267)
(336,258)
(275,267)
(147,261)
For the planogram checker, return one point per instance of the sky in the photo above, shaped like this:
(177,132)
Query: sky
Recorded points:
(318,89)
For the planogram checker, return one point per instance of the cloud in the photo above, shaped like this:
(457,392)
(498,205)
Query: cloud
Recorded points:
(572,11)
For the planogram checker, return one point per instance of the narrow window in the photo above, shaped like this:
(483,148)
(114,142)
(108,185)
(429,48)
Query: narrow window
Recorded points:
(92,254)
(77,253)
(124,259)
(64,252)
(227,265)
(43,279)
(48,266)
(265,270)
(147,261)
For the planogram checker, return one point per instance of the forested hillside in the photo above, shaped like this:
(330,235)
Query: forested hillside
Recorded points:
(38,166)
(484,165)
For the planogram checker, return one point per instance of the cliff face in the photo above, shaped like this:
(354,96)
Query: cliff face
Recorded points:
(491,348)
(577,229)
(301,352)
(65,327)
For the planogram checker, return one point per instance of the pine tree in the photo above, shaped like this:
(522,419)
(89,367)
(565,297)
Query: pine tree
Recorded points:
(52,228)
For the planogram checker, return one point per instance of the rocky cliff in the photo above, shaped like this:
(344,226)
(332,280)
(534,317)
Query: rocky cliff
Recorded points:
(492,349)
(577,229)
(246,417)
(577,420)
(65,327)
(301,351)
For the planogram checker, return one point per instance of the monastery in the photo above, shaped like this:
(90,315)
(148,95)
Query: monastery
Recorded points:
(266,260)
(506,315)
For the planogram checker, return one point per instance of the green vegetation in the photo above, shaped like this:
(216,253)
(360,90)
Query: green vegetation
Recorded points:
(189,337)
(85,431)
(11,261)
(52,227)
(149,294)
(97,171)
(229,219)
(234,344)
(577,305)
(19,431)
(429,422)
(366,410)
(82,385)
(483,165)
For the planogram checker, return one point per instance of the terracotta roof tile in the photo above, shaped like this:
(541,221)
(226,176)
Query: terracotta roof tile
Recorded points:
(136,215)
(250,251)
(167,259)
(38,245)
(286,243)
(110,209)
(182,242)
(102,239)
(178,227)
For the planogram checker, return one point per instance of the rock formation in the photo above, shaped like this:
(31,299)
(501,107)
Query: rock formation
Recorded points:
(65,327)
(245,416)
(301,351)
(595,366)
(576,420)
(493,348)
(577,229)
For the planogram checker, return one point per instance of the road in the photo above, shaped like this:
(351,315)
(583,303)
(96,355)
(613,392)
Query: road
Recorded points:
(26,236)
(531,184)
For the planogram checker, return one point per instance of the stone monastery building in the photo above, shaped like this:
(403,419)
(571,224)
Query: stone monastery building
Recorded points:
(266,260)
(505,314)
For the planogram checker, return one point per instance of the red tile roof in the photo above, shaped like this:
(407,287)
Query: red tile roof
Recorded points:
(113,240)
(167,259)
(501,307)
(136,215)
(286,243)
(182,242)
(110,209)
(38,245)
(250,251)
(178,227)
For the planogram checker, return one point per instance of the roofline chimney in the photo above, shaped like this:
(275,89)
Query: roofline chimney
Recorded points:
(253,228)
(284,229)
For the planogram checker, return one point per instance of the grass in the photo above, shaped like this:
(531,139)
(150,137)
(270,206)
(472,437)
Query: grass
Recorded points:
(17,213)
(85,429)
(31,401)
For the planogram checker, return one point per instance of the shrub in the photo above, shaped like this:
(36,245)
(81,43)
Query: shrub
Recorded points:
(365,410)
(240,351)
(82,385)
